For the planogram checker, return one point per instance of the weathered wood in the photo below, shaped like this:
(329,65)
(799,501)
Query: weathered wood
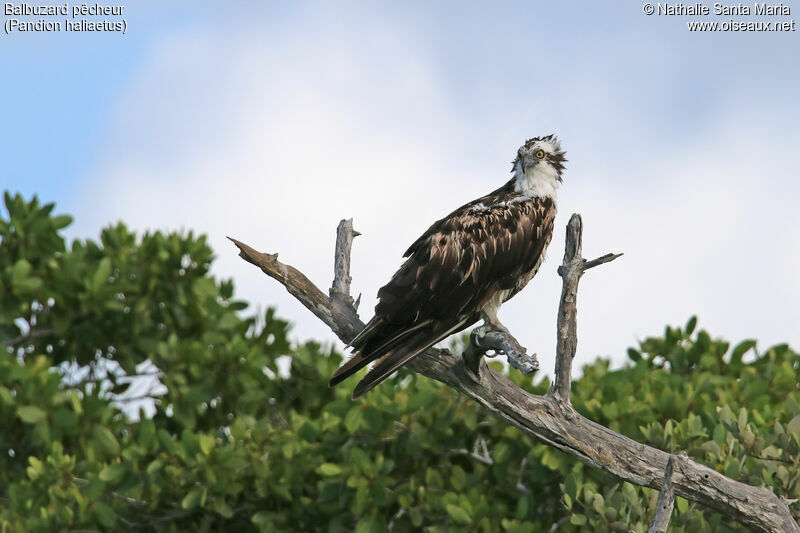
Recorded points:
(566,324)
(571,270)
(599,261)
(340,289)
(666,500)
(550,418)
(343,323)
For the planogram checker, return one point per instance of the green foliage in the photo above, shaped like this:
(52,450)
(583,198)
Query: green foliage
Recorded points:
(685,392)
(234,442)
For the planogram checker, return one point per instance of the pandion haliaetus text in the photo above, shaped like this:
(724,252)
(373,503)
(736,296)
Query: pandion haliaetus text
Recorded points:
(464,267)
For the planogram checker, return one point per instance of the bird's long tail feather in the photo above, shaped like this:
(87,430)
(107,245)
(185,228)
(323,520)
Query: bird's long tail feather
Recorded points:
(400,353)
(366,351)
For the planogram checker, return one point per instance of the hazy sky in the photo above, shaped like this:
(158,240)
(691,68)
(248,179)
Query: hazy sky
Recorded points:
(271,121)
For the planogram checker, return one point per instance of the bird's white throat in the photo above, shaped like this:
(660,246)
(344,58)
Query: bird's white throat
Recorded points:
(541,180)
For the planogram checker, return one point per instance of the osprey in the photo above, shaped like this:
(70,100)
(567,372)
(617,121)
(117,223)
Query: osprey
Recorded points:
(463,268)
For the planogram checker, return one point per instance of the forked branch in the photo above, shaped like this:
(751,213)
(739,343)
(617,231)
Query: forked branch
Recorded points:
(550,418)
(571,270)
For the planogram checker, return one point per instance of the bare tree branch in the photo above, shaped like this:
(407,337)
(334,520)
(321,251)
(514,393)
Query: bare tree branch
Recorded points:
(571,270)
(666,499)
(520,485)
(344,324)
(30,335)
(566,323)
(551,418)
(340,290)
(599,261)
(480,452)
(121,497)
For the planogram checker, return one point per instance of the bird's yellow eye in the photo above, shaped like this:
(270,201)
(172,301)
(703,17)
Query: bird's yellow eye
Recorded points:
(539,154)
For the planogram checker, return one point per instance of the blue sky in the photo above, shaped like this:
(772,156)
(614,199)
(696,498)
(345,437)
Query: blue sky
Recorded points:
(271,121)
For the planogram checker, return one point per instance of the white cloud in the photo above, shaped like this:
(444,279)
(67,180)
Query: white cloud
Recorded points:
(273,137)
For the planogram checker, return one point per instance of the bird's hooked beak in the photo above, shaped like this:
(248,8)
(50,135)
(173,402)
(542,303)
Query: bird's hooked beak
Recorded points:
(528,162)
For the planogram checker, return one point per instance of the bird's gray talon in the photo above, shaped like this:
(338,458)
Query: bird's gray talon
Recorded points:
(501,329)
(480,332)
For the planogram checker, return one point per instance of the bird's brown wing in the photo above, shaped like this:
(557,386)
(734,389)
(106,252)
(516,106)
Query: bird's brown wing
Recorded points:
(450,273)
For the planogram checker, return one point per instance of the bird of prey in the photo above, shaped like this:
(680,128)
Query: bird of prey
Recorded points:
(463,268)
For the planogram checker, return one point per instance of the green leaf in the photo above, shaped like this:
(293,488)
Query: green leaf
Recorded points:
(369,524)
(64,418)
(571,485)
(459,478)
(61,221)
(105,514)
(742,420)
(35,469)
(421,398)
(682,504)
(359,458)
(458,514)
(523,506)
(147,432)
(154,467)
(31,414)
(166,441)
(5,396)
(113,472)
(206,443)
(690,325)
(223,509)
(308,432)
(793,426)
(354,419)
(598,504)
(106,440)
(193,498)
(732,468)
(102,273)
(372,419)
(20,271)
(610,411)
(28,285)
(503,451)
(262,518)
(329,469)
(741,349)
(577,519)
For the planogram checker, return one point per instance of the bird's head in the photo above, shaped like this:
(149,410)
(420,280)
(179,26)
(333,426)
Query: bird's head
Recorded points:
(540,155)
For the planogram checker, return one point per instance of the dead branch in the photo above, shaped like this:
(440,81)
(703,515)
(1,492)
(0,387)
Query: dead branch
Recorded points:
(571,270)
(551,418)
(666,499)
(480,452)
(340,290)
(29,336)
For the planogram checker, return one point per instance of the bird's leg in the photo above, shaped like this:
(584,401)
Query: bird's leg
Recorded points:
(494,336)
(491,322)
